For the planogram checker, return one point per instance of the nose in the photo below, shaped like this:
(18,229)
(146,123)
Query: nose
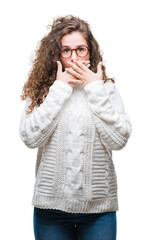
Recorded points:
(73,56)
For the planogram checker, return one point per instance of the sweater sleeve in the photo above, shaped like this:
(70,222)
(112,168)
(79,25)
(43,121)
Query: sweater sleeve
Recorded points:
(111,120)
(36,127)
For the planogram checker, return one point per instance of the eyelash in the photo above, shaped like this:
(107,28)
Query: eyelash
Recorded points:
(68,49)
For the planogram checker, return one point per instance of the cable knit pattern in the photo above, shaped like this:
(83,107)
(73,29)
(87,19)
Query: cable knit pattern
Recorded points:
(108,111)
(36,128)
(75,131)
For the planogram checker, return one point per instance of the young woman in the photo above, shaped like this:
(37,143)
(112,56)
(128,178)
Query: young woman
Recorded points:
(74,115)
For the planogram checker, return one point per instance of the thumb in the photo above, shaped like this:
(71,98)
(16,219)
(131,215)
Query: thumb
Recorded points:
(99,69)
(59,67)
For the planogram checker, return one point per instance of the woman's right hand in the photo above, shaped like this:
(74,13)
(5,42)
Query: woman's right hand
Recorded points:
(65,77)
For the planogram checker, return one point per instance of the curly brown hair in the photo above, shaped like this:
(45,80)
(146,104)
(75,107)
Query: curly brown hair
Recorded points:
(44,69)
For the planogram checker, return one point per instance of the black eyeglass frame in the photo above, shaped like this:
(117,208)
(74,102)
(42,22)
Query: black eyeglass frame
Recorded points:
(72,49)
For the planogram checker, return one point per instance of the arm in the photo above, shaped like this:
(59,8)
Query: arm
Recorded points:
(36,127)
(110,118)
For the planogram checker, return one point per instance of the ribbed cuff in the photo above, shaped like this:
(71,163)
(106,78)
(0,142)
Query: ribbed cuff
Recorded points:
(63,85)
(93,84)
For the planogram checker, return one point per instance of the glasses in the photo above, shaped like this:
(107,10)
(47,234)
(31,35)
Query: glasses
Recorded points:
(81,51)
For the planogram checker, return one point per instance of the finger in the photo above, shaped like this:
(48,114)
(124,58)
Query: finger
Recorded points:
(75,67)
(86,63)
(75,81)
(59,67)
(99,68)
(73,73)
(80,65)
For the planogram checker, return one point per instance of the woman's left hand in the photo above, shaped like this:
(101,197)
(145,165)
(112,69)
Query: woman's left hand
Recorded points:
(82,72)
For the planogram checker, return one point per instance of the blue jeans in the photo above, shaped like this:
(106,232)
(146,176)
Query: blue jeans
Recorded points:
(51,224)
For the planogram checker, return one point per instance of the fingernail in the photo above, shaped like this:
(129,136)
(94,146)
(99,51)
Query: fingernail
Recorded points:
(69,62)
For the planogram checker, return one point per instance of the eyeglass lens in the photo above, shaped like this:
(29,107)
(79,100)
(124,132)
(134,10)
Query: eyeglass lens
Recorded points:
(81,51)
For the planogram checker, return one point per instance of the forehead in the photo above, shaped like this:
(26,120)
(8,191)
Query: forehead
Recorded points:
(73,39)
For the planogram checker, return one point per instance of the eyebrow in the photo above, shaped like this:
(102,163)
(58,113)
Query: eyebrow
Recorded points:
(75,47)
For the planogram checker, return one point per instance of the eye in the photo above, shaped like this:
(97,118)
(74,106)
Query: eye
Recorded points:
(81,49)
(66,50)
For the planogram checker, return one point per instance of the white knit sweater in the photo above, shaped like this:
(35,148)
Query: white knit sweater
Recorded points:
(75,131)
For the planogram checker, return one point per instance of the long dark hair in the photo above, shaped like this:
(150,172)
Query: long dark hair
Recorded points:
(44,69)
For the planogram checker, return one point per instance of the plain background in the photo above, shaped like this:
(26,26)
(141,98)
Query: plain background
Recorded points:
(122,29)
